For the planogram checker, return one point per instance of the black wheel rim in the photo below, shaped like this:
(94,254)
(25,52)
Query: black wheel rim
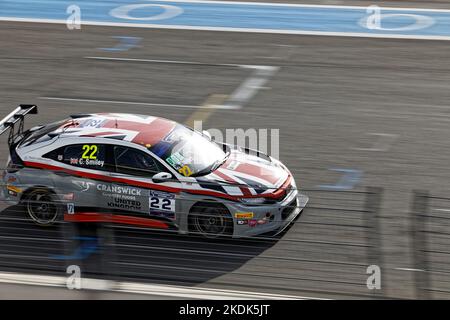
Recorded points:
(41,208)
(210,223)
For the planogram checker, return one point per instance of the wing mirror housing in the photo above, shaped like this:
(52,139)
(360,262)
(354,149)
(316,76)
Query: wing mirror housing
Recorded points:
(161,177)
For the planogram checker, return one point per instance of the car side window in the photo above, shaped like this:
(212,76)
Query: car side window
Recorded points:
(88,156)
(135,162)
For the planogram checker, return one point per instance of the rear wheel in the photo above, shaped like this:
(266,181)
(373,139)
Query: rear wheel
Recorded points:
(41,206)
(211,221)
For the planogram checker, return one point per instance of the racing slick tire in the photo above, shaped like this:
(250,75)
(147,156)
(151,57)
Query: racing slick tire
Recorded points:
(211,221)
(42,206)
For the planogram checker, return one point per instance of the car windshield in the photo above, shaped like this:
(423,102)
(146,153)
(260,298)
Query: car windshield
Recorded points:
(189,152)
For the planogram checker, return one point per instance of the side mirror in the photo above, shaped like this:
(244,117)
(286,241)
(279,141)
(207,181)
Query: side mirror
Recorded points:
(207,134)
(161,177)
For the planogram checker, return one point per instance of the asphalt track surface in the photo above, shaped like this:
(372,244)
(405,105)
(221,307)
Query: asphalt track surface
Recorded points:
(332,99)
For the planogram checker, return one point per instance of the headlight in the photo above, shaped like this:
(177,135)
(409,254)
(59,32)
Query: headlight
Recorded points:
(293,184)
(253,200)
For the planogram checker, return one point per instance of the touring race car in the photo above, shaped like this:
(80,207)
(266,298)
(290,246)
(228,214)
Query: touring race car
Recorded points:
(144,171)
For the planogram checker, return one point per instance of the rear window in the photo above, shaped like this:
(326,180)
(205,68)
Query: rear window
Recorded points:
(88,156)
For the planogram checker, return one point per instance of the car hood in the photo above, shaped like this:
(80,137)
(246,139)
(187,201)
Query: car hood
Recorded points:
(247,174)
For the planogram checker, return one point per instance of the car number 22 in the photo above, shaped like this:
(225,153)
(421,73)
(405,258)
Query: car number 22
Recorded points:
(162,202)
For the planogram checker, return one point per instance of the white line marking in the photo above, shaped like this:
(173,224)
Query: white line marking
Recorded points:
(383,144)
(410,269)
(130,103)
(442,210)
(171,61)
(240,96)
(147,289)
(420,21)
(249,30)
(250,86)
(123,12)
(411,106)
(205,293)
(407,113)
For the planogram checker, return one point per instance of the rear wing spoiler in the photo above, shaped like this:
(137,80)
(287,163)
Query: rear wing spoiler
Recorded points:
(16,116)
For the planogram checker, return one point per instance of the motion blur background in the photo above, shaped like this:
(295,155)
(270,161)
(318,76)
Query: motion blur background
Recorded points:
(363,125)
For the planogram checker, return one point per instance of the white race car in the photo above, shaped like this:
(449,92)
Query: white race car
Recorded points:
(145,171)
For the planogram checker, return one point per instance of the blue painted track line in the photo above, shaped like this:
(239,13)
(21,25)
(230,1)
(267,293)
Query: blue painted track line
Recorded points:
(125,44)
(88,246)
(348,181)
(232,16)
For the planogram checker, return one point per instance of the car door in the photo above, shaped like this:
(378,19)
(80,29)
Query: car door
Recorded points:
(136,168)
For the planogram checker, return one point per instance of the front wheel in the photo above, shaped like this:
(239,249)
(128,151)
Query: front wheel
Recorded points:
(211,221)
(41,206)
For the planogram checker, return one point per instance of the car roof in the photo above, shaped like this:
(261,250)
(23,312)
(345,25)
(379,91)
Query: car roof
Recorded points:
(140,129)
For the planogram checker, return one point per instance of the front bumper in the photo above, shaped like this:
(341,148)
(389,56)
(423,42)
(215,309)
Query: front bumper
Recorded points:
(7,199)
(263,219)
(9,194)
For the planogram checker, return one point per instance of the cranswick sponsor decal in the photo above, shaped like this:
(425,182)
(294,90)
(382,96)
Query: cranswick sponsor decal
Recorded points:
(122,197)
(119,189)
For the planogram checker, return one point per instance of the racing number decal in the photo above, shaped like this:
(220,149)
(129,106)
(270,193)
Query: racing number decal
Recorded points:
(161,204)
(185,171)
(93,149)
(161,201)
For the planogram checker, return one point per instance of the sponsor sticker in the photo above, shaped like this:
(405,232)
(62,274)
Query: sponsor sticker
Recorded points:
(252,223)
(242,222)
(82,185)
(93,123)
(70,208)
(175,159)
(119,190)
(243,215)
(185,171)
(125,204)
